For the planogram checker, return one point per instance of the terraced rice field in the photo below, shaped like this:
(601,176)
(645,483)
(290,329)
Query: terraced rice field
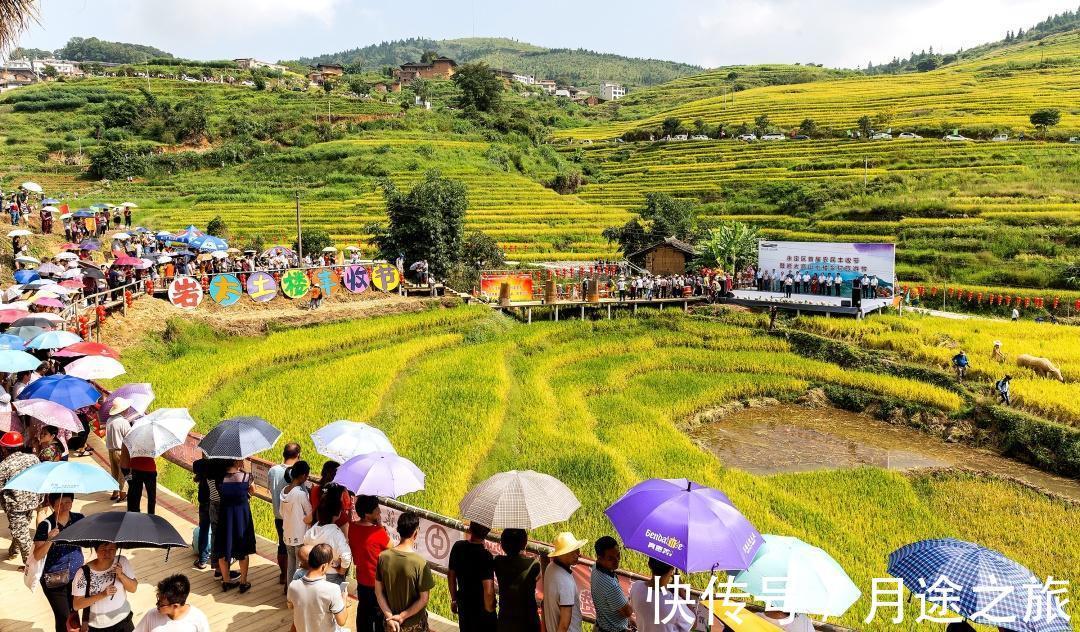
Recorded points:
(997,91)
(465,393)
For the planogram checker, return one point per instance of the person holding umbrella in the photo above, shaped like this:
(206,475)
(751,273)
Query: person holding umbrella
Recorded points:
(562,607)
(59,561)
(516,574)
(102,587)
(234,533)
(18,505)
(116,428)
(652,616)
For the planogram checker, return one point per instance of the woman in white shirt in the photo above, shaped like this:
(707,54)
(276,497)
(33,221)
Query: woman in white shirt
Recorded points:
(324,531)
(295,509)
(659,612)
(111,579)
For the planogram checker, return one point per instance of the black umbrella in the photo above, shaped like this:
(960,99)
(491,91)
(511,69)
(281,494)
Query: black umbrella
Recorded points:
(27,333)
(34,321)
(128,529)
(239,438)
(93,273)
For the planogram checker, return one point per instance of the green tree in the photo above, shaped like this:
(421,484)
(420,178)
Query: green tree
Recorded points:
(50,72)
(328,86)
(662,216)
(359,86)
(731,246)
(928,64)
(809,127)
(428,57)
(866,126)
(481,252)
(259,80)
(700,127)
(762,124)
(481,90)
(427,223)
(422,88)
(315,239)
(1045,118)
(671,126)
(217,227)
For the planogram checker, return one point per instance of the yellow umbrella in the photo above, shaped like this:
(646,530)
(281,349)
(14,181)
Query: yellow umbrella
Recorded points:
(750,621)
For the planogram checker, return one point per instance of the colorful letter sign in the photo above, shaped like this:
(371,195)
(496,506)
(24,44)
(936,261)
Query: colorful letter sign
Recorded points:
(185,292)
(295,283)
(261,287)
(355,279)
(225,289)
(385,277)
(326,279)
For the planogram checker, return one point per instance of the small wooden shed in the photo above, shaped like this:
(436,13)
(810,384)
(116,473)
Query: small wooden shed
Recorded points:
(664,257)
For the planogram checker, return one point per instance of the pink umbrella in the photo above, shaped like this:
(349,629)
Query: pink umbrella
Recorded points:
(8,316)
(125,260)
(95,368)
(72,283)
(140,394)
(50,413)
(50,302)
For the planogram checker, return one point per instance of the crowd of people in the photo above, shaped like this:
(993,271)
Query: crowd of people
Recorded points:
(809,282)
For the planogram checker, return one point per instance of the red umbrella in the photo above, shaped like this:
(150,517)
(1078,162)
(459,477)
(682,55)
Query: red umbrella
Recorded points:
(72,283)
(8,316)
(127,261)
(87,349)
(69,246)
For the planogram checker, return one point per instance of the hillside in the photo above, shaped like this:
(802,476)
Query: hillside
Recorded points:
(570,66)
(997,91)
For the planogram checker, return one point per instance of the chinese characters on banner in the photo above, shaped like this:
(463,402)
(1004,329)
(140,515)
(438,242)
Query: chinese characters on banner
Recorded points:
(185,292)
(295,284)
(849,260)
(385,277)
(261,287)
(225,289)
(356,279)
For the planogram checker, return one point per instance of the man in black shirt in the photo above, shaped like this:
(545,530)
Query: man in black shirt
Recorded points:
(471,579)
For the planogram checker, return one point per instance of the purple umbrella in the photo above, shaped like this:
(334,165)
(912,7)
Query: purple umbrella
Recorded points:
(380,474)
(140,394)
(690,526)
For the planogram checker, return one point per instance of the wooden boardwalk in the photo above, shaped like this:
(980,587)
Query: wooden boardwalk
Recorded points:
(262,609)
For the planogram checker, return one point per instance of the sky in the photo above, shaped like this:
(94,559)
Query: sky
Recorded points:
(709,33)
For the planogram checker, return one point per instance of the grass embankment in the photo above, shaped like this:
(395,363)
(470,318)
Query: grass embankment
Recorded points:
(466,393)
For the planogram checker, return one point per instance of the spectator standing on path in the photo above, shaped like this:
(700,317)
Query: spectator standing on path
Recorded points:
(60,562)
(116,428)
(326,477)
(325,531)
(1015,314)
(18,506)
(612,606)
(516,574)
(234,532)
(562,606)
(143,475)
(317,605)
(1002,387)
(275,482)
(471,580)
(367,540)
(295,506)
(403,581)
(660,611)
(127,216)
(208,474)
(102,585)
(173,613)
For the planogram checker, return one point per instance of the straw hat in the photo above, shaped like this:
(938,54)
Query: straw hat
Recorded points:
(119,405)
(997,343)
(565,543)
(12,440)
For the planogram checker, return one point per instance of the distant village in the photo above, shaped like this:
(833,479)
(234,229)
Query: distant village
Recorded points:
(21,72)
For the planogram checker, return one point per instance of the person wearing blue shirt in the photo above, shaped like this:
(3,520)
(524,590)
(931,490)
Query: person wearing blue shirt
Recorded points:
(960,362)
(612,606)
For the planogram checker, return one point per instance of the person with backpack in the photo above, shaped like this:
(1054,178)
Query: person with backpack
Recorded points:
(59,562)
(100,590)
(1002,387)
(960,363)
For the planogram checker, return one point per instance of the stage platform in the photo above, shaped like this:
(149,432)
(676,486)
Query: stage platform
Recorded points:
(811,303)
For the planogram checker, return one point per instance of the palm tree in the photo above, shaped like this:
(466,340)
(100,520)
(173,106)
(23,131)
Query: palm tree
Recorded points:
(731,246)
(15,16)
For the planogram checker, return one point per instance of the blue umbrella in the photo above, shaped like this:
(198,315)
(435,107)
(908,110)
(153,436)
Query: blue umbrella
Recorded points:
(8,341)
(12,361)
(84,212)
(90,244)
(50,201)
(62,477)
(53,340)
(25,276)
(70,392)
(923,564)
(209,243)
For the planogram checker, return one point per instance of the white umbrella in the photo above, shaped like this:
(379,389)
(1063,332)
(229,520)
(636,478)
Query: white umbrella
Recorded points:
(13,292)
(32,186)
(49,316)
(164,259)
(344,439)
(219,254)
(20,232)
(130,205)
(159,432)
(121,236)
(67,256)
(74,273)
(95,368)
(352,248)
(28,260)
(519,500)
(51,209)
(329,249)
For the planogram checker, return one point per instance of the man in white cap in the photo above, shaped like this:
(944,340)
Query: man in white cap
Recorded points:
(116,428)
(562,607)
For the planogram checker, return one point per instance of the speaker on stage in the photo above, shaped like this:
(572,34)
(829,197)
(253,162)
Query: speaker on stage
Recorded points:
(845,303)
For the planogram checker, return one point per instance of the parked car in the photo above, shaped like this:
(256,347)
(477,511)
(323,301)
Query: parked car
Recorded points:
(680,137)
(881,136)
(1075,139)
(951,137)
(1000,138)
(699,137)
(802,137)
(747,137)
(773,137)
(909,136)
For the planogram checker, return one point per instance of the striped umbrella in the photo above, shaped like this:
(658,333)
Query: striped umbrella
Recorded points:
(929,565)
(239,438)
(519,500)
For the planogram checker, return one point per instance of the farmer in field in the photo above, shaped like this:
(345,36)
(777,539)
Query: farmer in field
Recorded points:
(960,363)
(996,355)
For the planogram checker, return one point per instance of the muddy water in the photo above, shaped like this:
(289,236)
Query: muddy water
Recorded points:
(788,438)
